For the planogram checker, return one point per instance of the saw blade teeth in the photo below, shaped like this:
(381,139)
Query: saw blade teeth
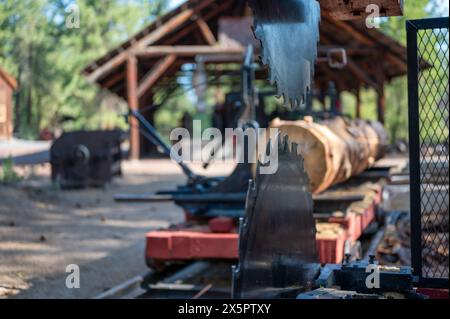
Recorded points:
(265,13)
(258,31)
(251,195)
(294,148)
(278,142)
(291,103)
(265,57)
(286,100)
(285,145)
(272,77)
(271,146)
(262,160)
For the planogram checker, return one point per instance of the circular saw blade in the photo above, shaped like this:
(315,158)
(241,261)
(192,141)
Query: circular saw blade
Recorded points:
(289,33)
(277,240)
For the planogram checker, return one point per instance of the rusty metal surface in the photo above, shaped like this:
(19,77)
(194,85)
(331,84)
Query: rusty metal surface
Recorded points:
(289,33)
(277,239)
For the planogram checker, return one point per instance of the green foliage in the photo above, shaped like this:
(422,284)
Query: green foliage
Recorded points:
(7,174)
(47,57)
(170,115)
(397,90)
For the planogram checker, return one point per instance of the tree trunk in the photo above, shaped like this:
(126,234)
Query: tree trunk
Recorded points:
(335,150)
(17,118)
(30,86)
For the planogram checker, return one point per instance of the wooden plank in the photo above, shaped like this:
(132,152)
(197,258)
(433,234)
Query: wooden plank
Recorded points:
(108,66)
(133,104)
(206,31)
(187,50)
(356,9)
(358,104)
(168,27)
(155,74)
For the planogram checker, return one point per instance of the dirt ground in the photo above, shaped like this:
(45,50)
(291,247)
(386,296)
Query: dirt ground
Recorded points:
(43,229)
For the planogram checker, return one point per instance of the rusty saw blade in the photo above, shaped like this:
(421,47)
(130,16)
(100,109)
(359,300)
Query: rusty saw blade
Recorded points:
(277,243)
(289,33)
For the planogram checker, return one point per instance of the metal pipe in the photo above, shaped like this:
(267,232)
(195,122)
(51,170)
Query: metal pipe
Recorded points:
(154,137)
(184,198)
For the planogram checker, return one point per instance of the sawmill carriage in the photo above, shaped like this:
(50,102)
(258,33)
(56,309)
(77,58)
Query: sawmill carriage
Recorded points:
(331,164)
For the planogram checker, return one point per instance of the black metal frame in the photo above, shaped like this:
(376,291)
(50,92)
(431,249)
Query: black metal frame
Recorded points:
(412,28)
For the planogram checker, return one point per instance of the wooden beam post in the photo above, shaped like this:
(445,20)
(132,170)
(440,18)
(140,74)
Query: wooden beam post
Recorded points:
(358,104)
(381,103)
(381,99)
(133,104)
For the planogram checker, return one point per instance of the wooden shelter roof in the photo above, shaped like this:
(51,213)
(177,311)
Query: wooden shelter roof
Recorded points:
(192,29)
(151,60)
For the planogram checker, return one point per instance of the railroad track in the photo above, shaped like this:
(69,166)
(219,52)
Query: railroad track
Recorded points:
(196,280)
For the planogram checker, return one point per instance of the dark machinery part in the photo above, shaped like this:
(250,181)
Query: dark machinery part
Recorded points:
(277,244)
(217,196)
(153,136)
(351,281)
(83,159)
(202,196)
(249,94)
(289,33)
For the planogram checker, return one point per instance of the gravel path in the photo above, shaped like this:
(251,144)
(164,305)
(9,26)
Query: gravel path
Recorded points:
(42,230)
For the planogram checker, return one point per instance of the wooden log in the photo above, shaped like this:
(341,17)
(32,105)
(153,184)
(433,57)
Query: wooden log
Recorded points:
(335,150)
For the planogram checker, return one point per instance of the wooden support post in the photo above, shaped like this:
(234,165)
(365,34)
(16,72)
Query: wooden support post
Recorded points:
(358,104)
(381,99)
(133,104)
(381,103)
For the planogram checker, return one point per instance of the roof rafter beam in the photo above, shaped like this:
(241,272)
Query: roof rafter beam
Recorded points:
(187,50)
(149,39)
(114,79)
(360,74)
(155,73)
(207,16)
(365,39)
(349,29)
(206,32)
